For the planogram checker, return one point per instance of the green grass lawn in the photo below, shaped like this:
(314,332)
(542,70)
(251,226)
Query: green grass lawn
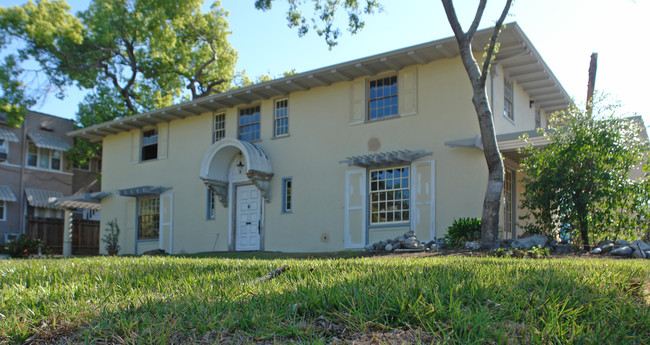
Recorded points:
(159,300)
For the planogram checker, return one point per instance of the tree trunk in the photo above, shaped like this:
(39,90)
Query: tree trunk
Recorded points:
(492,199)
(477,77)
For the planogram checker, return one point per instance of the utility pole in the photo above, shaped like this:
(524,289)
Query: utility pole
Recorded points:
(592,80)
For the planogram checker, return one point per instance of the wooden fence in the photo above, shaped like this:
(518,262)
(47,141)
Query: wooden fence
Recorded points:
(85,234)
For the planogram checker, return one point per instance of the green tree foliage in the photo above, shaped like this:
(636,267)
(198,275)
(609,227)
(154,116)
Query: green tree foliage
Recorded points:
(324,16)
(591,180)
(133,55)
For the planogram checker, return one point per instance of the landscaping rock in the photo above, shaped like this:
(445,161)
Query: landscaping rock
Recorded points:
(608,247)
(389,247)
(647,254)
(155,252)
(530,242)
(622,243)
(430,243)
(623,251)
(473,245)
(5,256)
(638,244)
(409,233)
(604,242)
(370,246)
(412,244)
(639,254)
(565,248)
(380,246)
(597,250)
(434,247)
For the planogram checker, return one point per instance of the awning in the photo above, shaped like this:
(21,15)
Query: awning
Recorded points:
(8,134)
(509,143)
(143,191)
(42,198)
(6,194)
(88,201)
(46,141)
(385,158)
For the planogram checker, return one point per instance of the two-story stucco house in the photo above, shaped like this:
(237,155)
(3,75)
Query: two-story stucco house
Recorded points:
(324,160)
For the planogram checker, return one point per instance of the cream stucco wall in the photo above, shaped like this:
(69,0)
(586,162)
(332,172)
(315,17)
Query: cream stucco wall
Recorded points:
(320,135)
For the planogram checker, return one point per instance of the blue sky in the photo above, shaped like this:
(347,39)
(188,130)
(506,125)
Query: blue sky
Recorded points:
(565,32)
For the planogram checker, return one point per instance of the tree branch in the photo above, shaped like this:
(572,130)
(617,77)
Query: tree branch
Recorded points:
(493,41)
(477,19)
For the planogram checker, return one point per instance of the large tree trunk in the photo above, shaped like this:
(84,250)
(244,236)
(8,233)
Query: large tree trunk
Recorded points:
(477,77)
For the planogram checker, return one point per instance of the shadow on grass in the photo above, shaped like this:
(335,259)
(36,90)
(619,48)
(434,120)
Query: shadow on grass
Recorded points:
(452,300)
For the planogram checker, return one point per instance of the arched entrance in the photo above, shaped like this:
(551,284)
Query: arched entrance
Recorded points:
(240,174)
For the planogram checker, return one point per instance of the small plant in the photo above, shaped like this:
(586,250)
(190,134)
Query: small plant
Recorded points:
(111,238)
(462,230)
(23,246)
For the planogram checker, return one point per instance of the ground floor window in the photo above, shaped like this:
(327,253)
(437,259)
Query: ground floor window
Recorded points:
(211,204)
(3,208)
(287,206)
(148,218)
(389,196)
(507,202)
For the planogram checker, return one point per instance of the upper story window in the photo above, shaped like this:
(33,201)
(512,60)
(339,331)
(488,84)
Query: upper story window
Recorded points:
(4,146)
(281,117)
(219,130)
(3,212)
(508,108)
(389,196)
(43,158)
(249,123)
(149,145)
(382,97)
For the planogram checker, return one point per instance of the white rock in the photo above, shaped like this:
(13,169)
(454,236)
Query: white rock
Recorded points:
(642,245)
(389,247)
(597,250)
(623,251)
(622,243)
(530,242)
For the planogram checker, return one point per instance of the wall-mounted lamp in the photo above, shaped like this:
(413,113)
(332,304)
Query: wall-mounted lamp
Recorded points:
(531,103)
(240,165)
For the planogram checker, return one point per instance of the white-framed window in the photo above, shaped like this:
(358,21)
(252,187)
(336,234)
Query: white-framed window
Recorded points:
(3,210)
(219,129)
(538,119)
(249,123)
(287,202)
(43,158)
(508,100)
(390,198)
(382,97)
(149,145)
(210,214)
(148,218)
(281,122)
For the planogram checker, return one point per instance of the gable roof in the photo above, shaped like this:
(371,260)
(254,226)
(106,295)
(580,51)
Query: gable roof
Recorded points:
(517,55)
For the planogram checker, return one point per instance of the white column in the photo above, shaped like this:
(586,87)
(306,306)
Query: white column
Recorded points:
(67,232)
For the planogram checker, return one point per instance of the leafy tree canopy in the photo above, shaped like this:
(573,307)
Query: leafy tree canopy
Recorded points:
(324,16)
(591,180)
(132,55)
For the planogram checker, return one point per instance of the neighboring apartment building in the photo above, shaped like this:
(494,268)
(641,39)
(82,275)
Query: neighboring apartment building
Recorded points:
(324,160)
(33,170)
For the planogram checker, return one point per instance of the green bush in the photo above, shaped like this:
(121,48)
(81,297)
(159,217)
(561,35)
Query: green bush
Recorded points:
(23,247)
(462,230)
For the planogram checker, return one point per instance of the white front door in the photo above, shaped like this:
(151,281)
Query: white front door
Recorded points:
(248,217)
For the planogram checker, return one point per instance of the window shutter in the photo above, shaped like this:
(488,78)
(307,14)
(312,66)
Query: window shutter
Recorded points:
(163,135)
(358,102)
(423,185)
(166,237)
(355,208)
(408,96)
(135,146)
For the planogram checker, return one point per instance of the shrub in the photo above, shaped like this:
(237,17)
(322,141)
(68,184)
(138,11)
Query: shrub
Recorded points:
(463,229)
(22,247)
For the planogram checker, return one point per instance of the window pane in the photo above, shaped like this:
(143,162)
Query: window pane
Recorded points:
(382,97)
(43,158)
(389,195)
(56,160)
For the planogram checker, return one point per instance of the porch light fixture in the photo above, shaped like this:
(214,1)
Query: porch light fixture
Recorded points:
(240,165)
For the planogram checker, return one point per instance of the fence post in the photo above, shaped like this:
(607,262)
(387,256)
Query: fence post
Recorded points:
(67,232)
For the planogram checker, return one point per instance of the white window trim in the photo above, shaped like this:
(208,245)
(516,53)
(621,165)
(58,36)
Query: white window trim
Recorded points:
(276,118)
(40,152)
(214,127)
(512,100)
(367,99)
(410,199)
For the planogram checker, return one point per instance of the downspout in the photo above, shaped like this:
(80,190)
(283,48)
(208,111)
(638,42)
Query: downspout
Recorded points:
(23,161)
